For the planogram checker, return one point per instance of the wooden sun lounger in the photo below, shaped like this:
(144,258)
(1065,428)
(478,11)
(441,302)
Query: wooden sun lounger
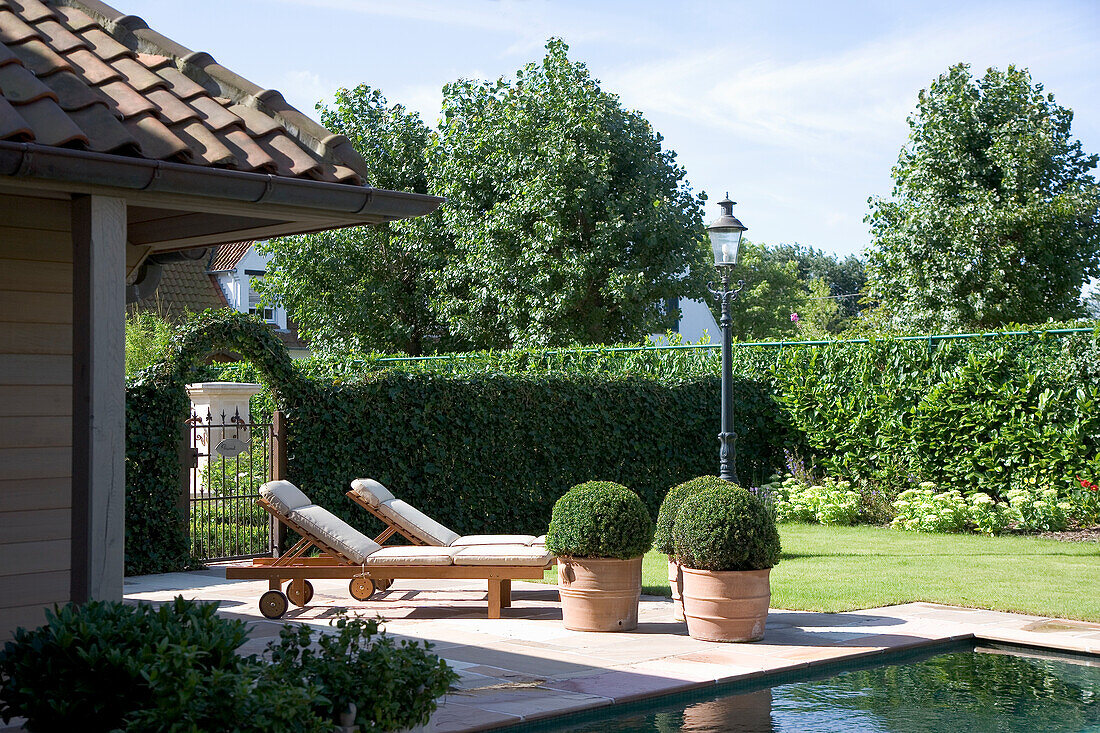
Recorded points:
(297,567)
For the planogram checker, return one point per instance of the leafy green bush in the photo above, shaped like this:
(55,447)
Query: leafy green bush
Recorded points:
(112,666)
(670,508)
(148,337)
(392,685)
(725,528)
(600,519)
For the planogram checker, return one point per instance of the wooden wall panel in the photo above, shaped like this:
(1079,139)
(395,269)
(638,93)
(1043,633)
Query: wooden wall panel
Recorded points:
(20,495)
(36,371)
(34,588)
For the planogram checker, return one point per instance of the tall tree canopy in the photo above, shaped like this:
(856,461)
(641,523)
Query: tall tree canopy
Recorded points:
(569,222)
(366,287)
(565,222)
(995,217)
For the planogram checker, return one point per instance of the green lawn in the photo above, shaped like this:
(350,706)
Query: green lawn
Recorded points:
(845,568)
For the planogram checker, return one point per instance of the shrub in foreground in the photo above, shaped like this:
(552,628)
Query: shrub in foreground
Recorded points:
(392,685)
(106,666)
(725,528)
(600,519)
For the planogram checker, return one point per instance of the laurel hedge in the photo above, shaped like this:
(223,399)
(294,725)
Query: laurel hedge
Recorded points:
(489,443)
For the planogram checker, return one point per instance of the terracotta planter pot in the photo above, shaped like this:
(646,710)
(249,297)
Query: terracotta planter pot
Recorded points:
(728,605)
(675,580)
(599,594)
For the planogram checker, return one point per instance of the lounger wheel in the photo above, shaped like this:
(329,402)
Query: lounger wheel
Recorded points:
(382,584)
(299,591)
(273,604)
(361,588)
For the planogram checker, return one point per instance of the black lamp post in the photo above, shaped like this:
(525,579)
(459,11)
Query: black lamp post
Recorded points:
(725,238)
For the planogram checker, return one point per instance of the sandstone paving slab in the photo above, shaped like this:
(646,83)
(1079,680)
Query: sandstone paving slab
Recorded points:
(453,717)
(625,685)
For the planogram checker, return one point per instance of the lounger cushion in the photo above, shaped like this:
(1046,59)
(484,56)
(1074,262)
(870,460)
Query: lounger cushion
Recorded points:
(502,555)
(284,496)
(371,491)
(493,539)
(417,523)
(540,540)
(417,555)
(335,532)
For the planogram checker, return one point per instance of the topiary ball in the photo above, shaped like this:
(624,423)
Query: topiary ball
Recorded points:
(670,507)
(725,528)
(599,519)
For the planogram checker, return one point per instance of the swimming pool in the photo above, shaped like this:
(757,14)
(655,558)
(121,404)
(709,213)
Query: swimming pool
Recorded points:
(970,689)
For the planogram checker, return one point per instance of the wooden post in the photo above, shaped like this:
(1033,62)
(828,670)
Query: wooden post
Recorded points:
(278,473)
(99,398)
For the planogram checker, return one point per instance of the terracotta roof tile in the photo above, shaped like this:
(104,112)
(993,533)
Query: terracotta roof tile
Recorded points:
(138,75)
(80,73)
(215,115)
(125,101)
(60,38)
(105,133)
(72,93)
(21,86)
(50,124)
(248,154)
(228,256)
(205,145)
(13,29)
(155,140)
(40,58)
(170,107)
(12,125)
(32,10)
(91,68)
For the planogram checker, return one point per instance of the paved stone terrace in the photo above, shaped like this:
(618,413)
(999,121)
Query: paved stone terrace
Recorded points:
(527,666)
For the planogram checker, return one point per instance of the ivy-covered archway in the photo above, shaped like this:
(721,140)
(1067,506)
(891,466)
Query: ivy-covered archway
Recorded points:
(157,406)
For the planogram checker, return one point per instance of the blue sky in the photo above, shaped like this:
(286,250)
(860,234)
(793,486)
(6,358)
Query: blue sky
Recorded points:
(797,108)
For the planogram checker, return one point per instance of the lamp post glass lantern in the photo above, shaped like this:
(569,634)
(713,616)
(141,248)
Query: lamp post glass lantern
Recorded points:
(725,239)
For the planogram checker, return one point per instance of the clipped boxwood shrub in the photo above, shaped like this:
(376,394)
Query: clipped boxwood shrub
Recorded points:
(670,507)
(725,528)
(600,519)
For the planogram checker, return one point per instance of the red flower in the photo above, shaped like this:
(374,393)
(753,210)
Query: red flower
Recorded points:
(1088,484)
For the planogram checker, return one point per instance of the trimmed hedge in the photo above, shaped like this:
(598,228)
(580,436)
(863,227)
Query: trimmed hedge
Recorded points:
(725,528)
(492,443)
(599,519)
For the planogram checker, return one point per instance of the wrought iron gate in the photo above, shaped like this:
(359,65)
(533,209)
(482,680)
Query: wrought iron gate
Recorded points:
(228,459)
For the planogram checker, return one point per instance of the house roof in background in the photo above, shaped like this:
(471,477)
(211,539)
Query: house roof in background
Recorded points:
(184,287)
(228,256)
(79,74)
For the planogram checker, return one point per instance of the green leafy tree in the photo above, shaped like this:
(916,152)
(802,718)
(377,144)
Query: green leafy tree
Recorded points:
(366,287)
(995,217)
(148,336)
(570,222)
(845,278)
(778,301)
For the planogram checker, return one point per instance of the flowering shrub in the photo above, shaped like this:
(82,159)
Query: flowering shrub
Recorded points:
(989,516)
(925,509)
(1086,501)
(1040,510)
(831,502)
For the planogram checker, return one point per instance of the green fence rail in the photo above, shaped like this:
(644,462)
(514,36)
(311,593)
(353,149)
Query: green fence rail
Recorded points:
(932,340)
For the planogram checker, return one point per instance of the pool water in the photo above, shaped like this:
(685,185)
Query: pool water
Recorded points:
(967,691)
